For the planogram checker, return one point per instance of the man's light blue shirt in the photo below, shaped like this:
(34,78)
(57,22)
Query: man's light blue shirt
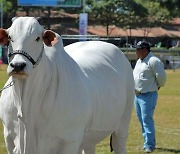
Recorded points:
(149,74)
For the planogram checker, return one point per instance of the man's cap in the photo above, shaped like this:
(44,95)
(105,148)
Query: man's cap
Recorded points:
(142,44)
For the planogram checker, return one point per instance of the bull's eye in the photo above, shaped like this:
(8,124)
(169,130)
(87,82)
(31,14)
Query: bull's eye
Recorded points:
(38,38)
(9,38)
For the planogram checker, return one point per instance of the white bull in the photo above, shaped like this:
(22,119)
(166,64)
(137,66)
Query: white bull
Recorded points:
(63,102)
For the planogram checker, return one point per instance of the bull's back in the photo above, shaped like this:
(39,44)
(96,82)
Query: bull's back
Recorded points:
(106,70)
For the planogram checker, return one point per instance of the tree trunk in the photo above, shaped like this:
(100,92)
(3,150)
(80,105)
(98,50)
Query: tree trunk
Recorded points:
(107,26)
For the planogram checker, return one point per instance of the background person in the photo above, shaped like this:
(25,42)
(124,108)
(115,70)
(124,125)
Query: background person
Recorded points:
(149,76)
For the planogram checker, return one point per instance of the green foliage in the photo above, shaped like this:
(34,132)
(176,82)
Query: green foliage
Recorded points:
(156,15)
(172,6)
(131,13)
(117,12)
(7,6)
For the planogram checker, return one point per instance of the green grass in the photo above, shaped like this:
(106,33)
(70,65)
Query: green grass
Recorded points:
(167,120)
(3,79)
(3,75)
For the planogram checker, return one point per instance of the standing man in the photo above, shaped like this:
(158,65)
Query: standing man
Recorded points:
(149,76)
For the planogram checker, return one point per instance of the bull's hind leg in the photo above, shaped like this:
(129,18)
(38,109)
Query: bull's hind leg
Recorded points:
(119,138)
(119,144)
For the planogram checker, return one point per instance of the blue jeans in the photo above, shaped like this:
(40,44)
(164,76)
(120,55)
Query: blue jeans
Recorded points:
(144,106)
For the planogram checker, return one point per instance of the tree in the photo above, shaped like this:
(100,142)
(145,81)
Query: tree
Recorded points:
(172,6)
(103,12)
(157,15)
(9,10)
(114,12)
(132,17)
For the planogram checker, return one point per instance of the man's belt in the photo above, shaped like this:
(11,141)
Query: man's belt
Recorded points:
(137,93)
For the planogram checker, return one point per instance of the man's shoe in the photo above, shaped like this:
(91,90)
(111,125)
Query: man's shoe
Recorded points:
(148,150)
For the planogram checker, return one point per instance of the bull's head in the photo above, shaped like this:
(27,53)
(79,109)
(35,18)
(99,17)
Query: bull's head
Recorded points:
(25,38)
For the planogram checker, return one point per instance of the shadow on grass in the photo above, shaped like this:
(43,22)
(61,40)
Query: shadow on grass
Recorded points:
(168,150)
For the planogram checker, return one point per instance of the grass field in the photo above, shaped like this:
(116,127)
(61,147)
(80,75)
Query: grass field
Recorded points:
(167,120)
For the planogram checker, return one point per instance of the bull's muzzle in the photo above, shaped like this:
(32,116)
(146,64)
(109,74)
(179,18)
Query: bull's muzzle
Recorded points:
(18,67)
(17,70)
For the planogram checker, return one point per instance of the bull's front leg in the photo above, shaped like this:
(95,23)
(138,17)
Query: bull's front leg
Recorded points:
(9,141)
(66,144)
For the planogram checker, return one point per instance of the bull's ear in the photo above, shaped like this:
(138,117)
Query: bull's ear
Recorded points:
(3,36)
(50,38)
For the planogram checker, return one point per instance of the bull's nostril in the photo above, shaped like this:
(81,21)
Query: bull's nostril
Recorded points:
(23,65)
(18,66)
(12,65)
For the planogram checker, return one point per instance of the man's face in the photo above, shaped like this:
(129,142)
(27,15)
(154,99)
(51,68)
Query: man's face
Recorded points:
(141,53)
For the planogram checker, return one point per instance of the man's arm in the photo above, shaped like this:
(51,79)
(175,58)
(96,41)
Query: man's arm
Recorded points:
(159,72)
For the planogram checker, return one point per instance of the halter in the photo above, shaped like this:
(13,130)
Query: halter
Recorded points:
(35,63)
